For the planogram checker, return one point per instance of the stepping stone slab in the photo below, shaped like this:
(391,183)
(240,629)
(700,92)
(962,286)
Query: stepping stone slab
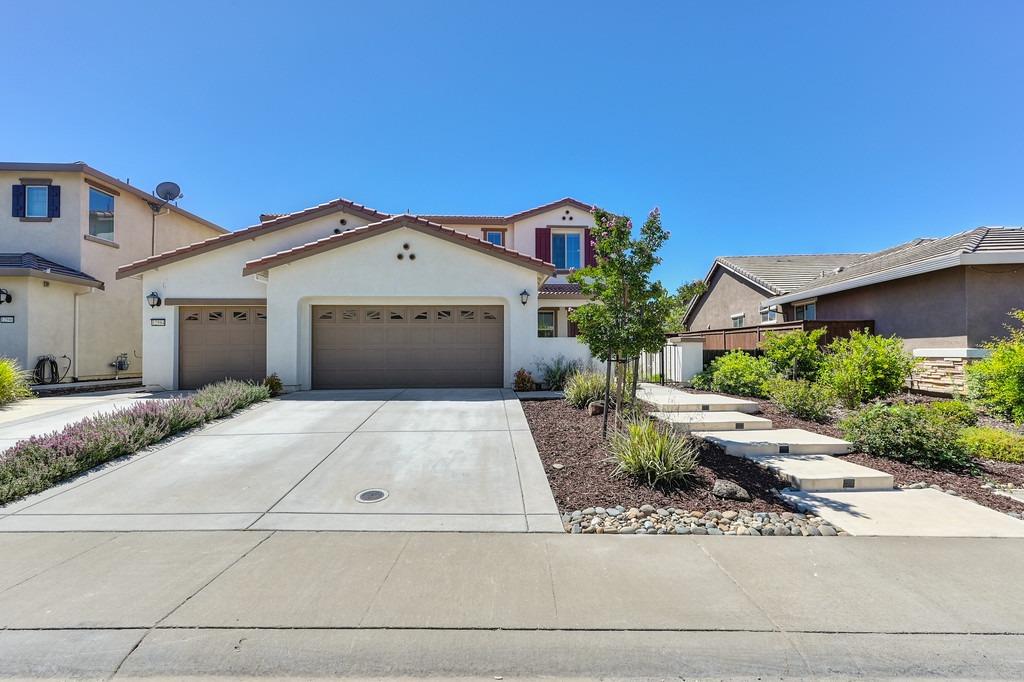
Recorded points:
(713,421)
(775,442)
(824,473)
(664,399)
(898,512)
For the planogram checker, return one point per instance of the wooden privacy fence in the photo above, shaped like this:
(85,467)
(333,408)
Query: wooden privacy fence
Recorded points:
(720,341)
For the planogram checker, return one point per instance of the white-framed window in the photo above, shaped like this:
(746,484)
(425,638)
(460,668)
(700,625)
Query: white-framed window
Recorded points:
(36,201)
(769,314)
(737,319)
(496,237)
(546,324)
(567,250)
(101,214)
(805,311)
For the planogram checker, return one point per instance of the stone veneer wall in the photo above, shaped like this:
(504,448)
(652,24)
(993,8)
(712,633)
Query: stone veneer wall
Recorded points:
(943,370)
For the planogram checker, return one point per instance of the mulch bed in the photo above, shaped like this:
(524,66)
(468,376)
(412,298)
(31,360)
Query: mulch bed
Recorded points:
(572,438)
(967,484)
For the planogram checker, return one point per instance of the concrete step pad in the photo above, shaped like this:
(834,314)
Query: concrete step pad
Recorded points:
(775,442)
(713,421)
(923,512)
(665,399)
(824,472)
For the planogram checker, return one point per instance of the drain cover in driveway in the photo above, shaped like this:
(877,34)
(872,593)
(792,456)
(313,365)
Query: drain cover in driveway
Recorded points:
(371,495)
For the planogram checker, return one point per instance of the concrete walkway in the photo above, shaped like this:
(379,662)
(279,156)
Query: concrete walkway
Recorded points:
(298,604)
(447,459)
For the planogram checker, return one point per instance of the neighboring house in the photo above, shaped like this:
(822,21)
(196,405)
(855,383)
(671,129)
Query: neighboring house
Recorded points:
(64,230)
(944,297)
(340,295)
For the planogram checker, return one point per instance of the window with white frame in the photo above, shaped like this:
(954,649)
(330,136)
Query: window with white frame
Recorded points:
(805,311)
(566,250)
(101,214)
(546,324)
(36,201)
(769,313)
(737,319)
(496,237)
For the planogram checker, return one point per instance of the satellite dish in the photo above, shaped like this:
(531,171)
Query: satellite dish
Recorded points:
(168,191)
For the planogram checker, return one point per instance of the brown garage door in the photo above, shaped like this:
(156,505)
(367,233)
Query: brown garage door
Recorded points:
(380,346)
(221,342)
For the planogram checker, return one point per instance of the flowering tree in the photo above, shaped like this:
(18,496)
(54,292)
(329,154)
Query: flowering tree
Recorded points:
(628,310)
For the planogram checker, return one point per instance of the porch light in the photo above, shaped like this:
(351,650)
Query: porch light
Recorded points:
(524,296)
(153,299)
(5,296)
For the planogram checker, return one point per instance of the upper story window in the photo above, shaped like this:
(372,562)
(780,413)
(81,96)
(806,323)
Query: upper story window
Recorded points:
(36,203)
(806,311)
(566,250)
(770,314)
(496,237)
(101,214)
(737,319)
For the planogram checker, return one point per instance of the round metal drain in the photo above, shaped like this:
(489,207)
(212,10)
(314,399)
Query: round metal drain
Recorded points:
(371,495)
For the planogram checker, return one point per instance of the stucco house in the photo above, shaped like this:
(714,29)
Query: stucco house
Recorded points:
(64,230)
(944,297)
(341,295)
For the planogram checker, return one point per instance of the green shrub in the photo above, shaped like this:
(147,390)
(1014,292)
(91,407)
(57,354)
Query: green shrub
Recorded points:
(956,411)
(802,398)
(997,382)
(583,388)
(865,366)
(273,383)
(652,452)
(523,381)
(702,381)
(995,444)
(741,373)
(13,382)
(556,372)
(911,433)
(795,354)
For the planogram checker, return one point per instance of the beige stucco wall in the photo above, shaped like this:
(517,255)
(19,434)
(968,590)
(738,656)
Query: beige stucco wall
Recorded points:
(51,321)
(53,239)
(727,295)
(14,335)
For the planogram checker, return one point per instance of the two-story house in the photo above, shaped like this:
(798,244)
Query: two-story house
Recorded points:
(65,228)
(341,295)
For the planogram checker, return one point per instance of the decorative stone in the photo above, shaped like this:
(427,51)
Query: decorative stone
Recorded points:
(595,408)
(727,490)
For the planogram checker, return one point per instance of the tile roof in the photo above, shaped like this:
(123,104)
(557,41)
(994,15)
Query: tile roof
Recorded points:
(781,274)
(555,290)
(28,263)
(395,222)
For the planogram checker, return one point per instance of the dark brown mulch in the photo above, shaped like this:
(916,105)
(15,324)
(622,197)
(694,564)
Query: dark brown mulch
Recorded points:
(967,484)
(567,436)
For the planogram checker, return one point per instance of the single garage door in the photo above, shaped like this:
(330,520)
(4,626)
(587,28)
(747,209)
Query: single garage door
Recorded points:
(217,343)
(388,346)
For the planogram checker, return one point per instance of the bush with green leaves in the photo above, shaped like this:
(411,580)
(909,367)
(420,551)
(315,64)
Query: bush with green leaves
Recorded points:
(14,382)
(865,366)
(556,371)
(583,388)
(795,354)
(803,399)
(909,433)
(997,382)
(701,381)
(989,443)
(956,411)
(652,452)
(741,373)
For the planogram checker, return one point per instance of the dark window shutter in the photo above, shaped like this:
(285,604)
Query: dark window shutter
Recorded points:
(543,235)
(588,249)
(53,201)
(18,201)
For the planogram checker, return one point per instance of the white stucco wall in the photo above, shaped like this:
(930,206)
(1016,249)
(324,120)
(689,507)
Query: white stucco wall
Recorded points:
(14,335)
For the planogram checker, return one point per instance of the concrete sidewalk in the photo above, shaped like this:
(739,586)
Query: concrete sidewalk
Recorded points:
(513,605)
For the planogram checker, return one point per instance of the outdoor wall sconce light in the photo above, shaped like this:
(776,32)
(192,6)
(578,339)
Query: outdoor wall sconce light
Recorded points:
(524,296)
(5,296)
(153,299)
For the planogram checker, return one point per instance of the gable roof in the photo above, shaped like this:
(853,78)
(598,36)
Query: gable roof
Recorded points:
(504,220)
(263,228)
(31,265)
(393,223)
(89,171)
(980,245)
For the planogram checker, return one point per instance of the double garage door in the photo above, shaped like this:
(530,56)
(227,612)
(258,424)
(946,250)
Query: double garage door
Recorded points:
(400,346)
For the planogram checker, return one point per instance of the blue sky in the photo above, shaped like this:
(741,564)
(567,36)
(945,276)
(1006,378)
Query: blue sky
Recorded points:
(781,127)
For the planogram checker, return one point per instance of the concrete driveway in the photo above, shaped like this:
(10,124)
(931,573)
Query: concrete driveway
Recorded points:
(448,460)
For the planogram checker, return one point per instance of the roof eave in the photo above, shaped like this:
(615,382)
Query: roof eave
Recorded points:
(52,276)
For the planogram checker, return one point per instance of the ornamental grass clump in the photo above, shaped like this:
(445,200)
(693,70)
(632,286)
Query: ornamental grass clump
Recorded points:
(583,388)
(39,462)
(13,382)
(652,452)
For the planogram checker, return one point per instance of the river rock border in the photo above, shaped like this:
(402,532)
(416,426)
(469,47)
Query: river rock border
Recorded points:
(648,520)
